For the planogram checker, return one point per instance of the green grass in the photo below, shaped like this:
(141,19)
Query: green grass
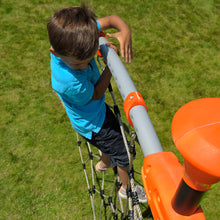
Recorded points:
(176,48)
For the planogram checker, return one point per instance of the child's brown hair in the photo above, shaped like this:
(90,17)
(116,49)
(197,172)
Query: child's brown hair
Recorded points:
(73,32)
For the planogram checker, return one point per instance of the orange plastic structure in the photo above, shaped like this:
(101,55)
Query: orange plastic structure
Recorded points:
(196,134)
(133,99)
(173,191)
(161,174)
(101,34)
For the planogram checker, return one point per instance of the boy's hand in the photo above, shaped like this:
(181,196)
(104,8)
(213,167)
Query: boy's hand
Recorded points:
(124,38)
(113,46)
(123,35)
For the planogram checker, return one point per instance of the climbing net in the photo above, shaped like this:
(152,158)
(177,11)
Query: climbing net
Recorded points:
(102,187)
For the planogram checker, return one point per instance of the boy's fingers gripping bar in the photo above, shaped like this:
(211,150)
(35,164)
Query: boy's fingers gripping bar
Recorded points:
(133,99)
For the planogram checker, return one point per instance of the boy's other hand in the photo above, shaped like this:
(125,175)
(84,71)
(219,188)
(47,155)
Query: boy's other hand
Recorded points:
(125,41)
(113,46)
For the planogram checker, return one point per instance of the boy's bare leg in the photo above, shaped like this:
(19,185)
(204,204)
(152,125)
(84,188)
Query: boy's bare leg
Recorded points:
(123,173)
(125,180)
(105,161)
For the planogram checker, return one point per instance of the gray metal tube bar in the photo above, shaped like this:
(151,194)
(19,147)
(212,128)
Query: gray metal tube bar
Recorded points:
(146,134)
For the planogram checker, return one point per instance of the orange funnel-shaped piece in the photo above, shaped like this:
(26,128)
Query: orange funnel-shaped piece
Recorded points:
(196,134)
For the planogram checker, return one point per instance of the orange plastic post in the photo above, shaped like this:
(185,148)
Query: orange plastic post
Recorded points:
(161,175)
(196,134)
(101,34)
(133,99)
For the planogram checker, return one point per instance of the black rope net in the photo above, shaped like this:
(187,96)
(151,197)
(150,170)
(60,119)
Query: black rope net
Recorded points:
(103,186)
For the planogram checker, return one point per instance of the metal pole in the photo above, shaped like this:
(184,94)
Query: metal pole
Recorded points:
(146,134)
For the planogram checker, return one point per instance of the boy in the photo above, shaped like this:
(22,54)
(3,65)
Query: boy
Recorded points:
(73,34)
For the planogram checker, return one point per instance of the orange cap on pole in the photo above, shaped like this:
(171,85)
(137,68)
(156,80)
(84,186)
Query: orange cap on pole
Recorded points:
(133,99)
(196,134)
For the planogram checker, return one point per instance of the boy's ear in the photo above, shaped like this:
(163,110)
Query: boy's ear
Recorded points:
(53,52)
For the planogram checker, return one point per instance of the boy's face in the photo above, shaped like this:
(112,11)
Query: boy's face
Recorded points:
(76,64)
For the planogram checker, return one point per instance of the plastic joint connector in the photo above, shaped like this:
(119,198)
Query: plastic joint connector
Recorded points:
(133,99)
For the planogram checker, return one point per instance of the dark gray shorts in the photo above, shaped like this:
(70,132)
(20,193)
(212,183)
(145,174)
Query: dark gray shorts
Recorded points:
(109,140)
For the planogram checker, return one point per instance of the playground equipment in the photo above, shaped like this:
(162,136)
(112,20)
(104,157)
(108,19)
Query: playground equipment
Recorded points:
(173,191)
(111,204)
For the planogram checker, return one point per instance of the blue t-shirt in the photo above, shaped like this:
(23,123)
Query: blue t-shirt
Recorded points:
(75,88)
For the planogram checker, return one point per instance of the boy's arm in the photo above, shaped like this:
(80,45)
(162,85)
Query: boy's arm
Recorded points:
(123,35)
(104,80)
(102,84)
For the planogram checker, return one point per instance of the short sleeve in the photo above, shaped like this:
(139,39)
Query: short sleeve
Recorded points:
(98,25)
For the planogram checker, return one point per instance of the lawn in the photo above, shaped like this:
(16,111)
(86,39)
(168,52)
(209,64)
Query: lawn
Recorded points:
(176,46)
